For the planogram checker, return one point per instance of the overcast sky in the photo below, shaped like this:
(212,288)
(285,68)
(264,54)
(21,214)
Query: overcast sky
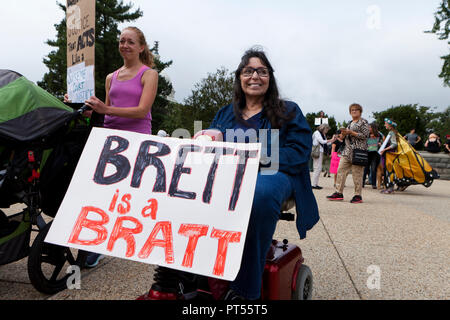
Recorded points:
(326,54)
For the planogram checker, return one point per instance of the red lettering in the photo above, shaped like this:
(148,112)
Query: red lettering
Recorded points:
(113,201)
(166,243)
(125,233)
(125,209)
(224,237)
(95,225)
(153,207)
(193,231)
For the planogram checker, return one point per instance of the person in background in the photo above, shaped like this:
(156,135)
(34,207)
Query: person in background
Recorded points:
(356,135)
(391,146)
(162,133)
(413,138)
(373,144)
(130,93)
(447,144)
(319,138)
(433,143)
(336,149)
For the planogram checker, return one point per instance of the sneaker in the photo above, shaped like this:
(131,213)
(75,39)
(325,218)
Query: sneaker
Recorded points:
(317,187)
(336,196)
(92,259)
(356,199)
(171,284)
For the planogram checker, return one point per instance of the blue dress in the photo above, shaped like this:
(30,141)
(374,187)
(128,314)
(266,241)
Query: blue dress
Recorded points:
(284,172)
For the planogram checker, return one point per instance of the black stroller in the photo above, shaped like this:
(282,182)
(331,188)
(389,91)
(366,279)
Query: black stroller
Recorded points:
(41,140)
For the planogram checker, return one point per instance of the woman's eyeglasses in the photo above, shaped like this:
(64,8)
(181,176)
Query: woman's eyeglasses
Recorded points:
(248,72)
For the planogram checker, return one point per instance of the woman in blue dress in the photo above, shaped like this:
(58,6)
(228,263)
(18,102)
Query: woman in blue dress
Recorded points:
(284,172)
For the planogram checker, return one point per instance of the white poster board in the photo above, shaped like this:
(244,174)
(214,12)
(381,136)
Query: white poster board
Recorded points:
(385,142)
(319,121)
(80,82)
(179,203)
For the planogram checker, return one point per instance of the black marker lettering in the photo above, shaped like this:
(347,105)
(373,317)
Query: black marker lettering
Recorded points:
(178,170)
(145,159)
(112,157)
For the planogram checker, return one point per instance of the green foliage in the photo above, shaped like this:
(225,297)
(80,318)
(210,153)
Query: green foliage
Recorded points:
(55,80)
(440,124)
(160,107)
(207,97)
(311,116)
(441,28)
(407,117)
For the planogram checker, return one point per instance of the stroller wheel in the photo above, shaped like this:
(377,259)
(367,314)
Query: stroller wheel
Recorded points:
(48,264)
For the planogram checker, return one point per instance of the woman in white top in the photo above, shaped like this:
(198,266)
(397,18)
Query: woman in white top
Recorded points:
(319,138)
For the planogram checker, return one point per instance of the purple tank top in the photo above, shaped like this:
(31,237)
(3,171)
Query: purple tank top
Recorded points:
(125,94)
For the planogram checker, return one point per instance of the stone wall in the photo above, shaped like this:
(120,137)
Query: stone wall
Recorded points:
(439,162)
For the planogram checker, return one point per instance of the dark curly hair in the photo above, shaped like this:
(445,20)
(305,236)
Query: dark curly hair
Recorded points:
(273,107)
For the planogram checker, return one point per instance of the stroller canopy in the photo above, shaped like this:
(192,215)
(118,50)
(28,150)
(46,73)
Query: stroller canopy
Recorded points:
(28,112)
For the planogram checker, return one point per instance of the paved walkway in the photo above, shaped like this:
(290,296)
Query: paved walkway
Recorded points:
(403,237)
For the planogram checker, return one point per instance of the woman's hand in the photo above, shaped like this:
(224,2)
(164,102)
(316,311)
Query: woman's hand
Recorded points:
(66,98)
(209,134)
(97,105)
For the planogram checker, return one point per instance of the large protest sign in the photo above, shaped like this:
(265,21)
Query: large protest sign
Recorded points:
(179,203)
(80,17)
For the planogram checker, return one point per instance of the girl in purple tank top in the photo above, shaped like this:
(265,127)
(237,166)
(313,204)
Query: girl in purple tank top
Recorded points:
(130,93)
(130,90)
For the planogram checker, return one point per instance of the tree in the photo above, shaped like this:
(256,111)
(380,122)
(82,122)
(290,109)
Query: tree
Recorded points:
(161,105)
(441,28)
(207,97)
(311,116)
(440,124)
(55,80)
(407,117)
(109,13)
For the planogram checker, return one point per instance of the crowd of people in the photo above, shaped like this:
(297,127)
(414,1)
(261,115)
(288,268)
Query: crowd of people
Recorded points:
(131,91)
(361,139)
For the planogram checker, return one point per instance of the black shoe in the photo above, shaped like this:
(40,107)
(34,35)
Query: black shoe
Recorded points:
(336,197)
(317,187)
(173,284)
(356,199)
(233,296)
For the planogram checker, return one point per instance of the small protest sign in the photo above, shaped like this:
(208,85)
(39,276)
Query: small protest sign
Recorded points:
(80,17)
(80,82)
(180,203)
(319,121)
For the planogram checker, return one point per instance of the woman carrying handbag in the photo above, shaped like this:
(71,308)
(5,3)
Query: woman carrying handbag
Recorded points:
(354,155)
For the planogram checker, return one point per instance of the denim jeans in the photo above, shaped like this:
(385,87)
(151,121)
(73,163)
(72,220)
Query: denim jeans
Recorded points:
(270,192)
(374,160)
